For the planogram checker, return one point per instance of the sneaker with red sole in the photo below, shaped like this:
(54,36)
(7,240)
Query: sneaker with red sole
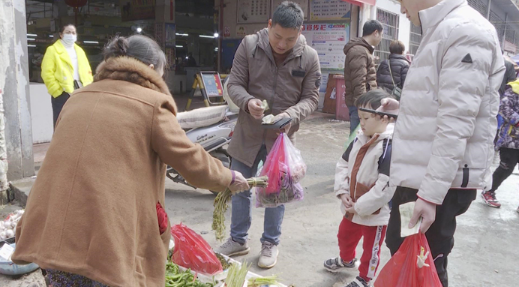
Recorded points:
(490,199)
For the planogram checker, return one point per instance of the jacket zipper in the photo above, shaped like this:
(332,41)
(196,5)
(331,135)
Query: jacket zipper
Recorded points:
(272,97)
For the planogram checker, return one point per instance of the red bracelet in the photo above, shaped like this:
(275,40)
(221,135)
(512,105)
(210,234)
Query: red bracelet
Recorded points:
(233,176)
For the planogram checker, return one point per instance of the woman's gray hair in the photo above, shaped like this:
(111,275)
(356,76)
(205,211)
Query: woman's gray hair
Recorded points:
(138,47)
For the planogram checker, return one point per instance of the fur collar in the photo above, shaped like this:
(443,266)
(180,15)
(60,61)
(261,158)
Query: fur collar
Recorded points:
(131,70)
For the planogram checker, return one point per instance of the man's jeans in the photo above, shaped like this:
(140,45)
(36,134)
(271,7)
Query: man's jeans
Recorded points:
(354,118)
(241,207)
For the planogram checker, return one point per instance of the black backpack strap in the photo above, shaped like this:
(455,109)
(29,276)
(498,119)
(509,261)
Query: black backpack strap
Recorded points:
(346,154)
(384,162)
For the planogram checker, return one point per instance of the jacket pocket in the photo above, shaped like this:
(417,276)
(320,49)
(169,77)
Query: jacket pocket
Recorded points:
(362,189)
(138,276)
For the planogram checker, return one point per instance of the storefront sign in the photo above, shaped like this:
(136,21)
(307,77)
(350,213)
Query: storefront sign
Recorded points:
(132,10)
(329,10)
(212,84)
(227,32)
(241,31)
(170,57)
(160,33)
(253,11)
(328,40)
(362,2)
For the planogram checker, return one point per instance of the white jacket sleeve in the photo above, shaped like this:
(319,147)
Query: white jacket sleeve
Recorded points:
(378,196)
(462,86)
(342,178)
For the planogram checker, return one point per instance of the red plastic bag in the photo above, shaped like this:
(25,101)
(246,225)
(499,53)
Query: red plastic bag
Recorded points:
(284,167)
(403,269)
(192,251)
(162,217)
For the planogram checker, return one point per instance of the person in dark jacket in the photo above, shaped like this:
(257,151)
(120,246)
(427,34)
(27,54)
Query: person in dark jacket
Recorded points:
(393,71)
(508,158)
(360,74)
(507,141)
(510,76)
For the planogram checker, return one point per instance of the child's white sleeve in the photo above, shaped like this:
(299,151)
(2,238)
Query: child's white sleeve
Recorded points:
(342,179)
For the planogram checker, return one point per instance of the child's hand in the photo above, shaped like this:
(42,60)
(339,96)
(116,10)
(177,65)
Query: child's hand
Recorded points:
(351,209)
(346,200)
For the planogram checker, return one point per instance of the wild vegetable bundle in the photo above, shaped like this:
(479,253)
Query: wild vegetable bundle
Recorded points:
(285,168)
(288,190)
(176,278)
(236,275)
(225,262)
(263,281)
(221,203)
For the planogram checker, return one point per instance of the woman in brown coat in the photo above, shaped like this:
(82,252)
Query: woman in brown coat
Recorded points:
(91,217)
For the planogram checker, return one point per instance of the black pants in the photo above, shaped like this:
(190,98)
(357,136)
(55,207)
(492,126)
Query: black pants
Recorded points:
(57,105)
(509,159)
(441,234)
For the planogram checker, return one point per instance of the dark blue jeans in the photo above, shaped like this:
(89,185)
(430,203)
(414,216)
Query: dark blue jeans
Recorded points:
(241,207)
(354,118)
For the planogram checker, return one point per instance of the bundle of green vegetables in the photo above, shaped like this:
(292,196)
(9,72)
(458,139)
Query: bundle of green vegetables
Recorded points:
(225,262)
(258,282)
(236,275)
(177,278)
(288,191)
(221,203)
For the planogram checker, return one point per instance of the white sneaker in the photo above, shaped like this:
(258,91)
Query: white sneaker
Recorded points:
(233,248)
(269,255)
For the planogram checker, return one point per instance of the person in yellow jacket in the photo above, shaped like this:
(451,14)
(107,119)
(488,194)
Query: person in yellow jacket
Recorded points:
(65,68)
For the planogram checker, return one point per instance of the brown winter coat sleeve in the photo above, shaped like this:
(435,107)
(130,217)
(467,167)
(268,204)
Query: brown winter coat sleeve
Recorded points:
(357,60)
(310,95)
(176,150)
(239,77)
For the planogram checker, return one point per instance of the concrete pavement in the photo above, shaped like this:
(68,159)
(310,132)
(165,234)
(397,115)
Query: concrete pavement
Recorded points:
(485,253)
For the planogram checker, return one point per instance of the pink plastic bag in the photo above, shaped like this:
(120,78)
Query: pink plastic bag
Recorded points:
(192,251)
(284,167)
(411,266)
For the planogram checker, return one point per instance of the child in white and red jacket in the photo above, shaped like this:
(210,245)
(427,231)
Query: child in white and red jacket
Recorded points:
(362,185)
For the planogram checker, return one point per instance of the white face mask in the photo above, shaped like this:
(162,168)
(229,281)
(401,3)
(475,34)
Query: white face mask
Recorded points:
(69,39)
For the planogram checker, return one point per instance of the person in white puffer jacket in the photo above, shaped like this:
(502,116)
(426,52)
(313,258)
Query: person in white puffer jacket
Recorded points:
(443,140)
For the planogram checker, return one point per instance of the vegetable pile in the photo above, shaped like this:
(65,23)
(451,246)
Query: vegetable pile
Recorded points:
(221,203)
(225,263)
(258,282)
(289,190)
(236,275)
(176,278)
(8,227)
(285,168)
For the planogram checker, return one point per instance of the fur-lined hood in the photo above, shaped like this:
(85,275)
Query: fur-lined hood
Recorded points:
(133,71)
